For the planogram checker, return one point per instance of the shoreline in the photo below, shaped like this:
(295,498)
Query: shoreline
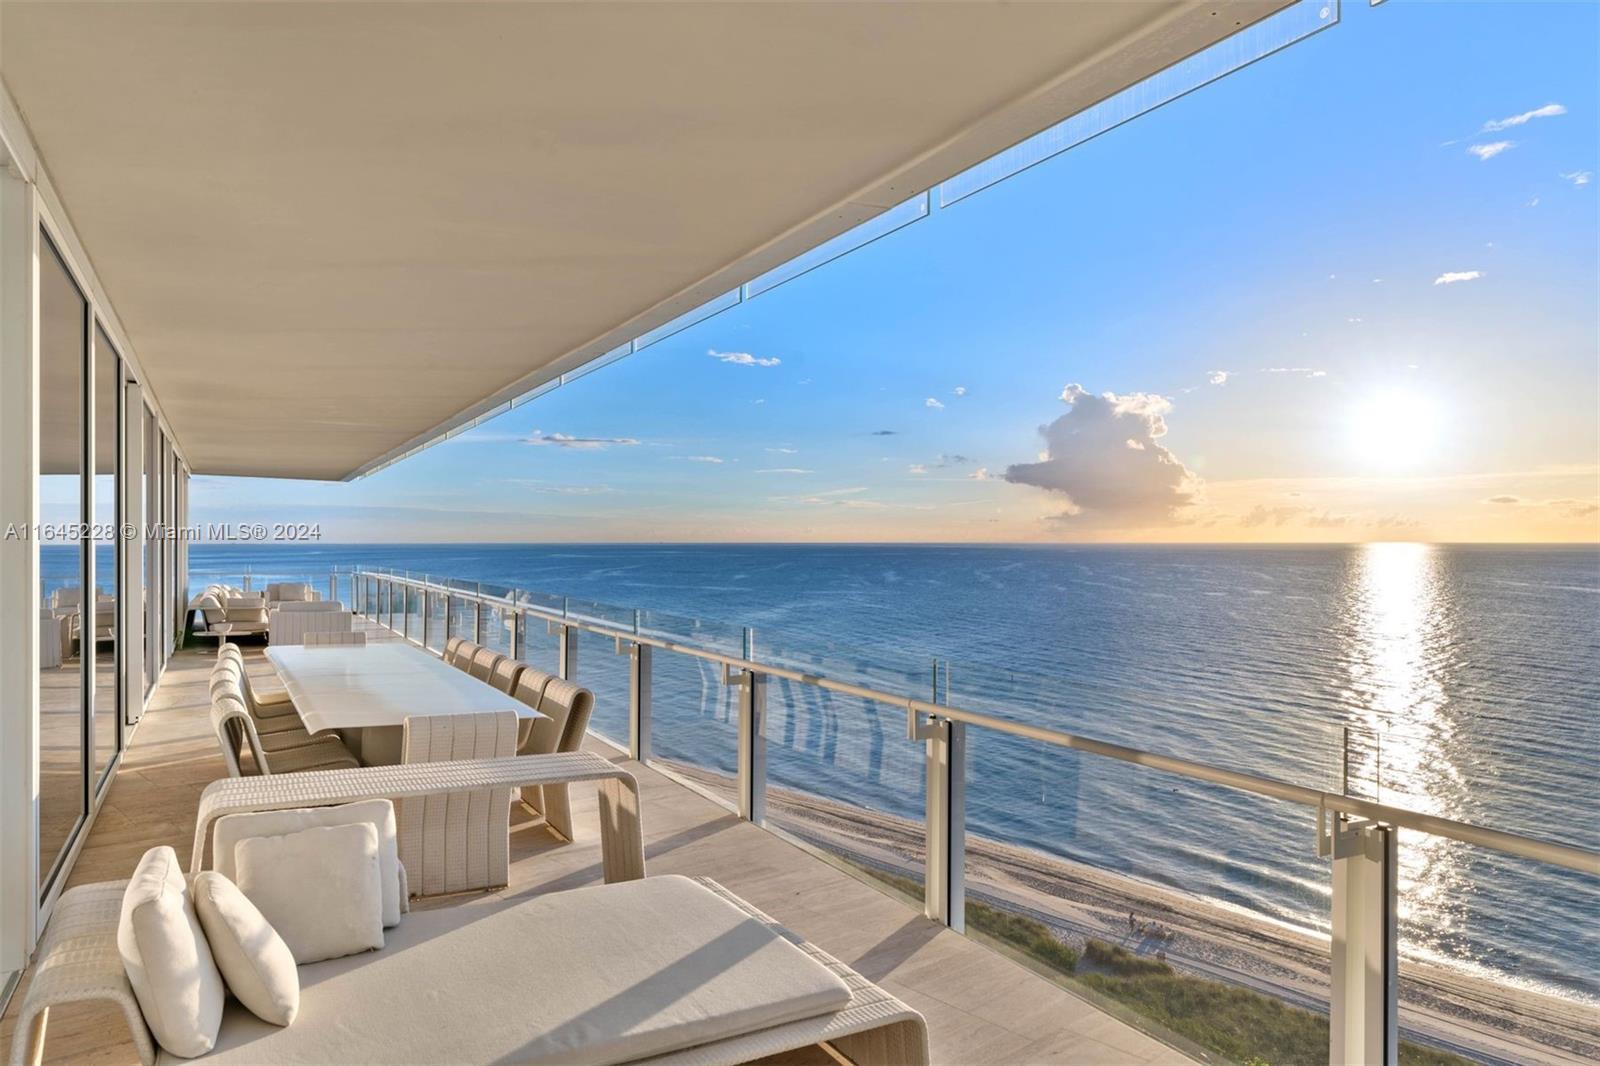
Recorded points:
(1440,1006)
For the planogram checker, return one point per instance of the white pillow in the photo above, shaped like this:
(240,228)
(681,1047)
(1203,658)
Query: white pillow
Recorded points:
(168,962)
(232,828)
(320,888)
(254,960)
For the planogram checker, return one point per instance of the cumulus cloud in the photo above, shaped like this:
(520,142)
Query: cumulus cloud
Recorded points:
(1495,125)
(742,358)
(1105,456)
(1488,151)
(564,440)
(1450,277)
(1579,177)
(917,468)
(1217,377)
(980,474)
(935,404)
(960,390)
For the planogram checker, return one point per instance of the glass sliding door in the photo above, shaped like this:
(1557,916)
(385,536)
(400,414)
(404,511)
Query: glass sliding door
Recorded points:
(169,546)
(66,624)
(151,481)
(102,646)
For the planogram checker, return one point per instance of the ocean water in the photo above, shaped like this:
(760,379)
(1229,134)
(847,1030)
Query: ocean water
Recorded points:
(1468,677)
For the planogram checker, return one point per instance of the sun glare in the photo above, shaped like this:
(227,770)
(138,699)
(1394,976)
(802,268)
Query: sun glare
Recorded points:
(1394,429)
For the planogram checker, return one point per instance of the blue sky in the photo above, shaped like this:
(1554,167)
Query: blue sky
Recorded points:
(1324,304)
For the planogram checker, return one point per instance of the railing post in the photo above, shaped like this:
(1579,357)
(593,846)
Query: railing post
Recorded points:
(752,746)
(477,617)
(449,613)
(567,653)
(944,884)
(333,586)
(1364,999)
(427,610)
(639,702)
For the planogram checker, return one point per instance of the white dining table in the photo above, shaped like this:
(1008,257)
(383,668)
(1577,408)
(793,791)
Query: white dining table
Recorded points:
(366,692)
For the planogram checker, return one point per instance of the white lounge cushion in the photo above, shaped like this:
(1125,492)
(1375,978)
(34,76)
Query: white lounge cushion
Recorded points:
(168,961)
(320,888)
(232,828)
(255,962)
(634,969)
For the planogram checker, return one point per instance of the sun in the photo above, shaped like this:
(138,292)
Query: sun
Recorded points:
(1395,429)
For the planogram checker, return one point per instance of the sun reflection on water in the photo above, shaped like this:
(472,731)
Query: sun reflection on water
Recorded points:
(1398,655)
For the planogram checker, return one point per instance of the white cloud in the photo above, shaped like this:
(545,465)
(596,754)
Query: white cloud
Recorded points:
(703,459)
(916,468)
(1217,377)
(758,403)
(785,470)
(742,358)
(785,451)
(935,404)
(1450,277)
(1579,177)
(1306,371)
(1088,459)
(564,440)
(1488,151)
(960,390)
(980,474)
(1547,111)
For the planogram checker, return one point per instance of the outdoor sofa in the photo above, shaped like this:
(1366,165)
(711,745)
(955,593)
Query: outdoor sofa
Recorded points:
(660,970)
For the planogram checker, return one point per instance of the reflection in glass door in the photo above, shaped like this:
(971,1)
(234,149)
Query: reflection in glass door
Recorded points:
(66,631)
(103,646)
(154,567)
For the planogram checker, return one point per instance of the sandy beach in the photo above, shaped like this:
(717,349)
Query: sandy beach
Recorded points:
(1473,1016)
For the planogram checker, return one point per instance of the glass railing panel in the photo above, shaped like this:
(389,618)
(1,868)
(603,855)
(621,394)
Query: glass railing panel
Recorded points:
(541,646)
(542,603)
(414,610)
(496,627)
(1254,729)
(694,720)
(896,669)
(1497,955)
(722,637)
(463,618)
(843,777)
(605,673)
(438,619)
(1196,913)
(604,614)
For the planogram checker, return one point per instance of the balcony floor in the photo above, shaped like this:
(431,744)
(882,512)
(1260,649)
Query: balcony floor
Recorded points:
(981,1006)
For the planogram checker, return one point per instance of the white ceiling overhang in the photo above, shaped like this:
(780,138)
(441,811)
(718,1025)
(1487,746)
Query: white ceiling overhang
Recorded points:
(332,230)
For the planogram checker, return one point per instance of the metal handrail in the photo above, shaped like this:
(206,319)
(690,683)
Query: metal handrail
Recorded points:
(1568,856)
